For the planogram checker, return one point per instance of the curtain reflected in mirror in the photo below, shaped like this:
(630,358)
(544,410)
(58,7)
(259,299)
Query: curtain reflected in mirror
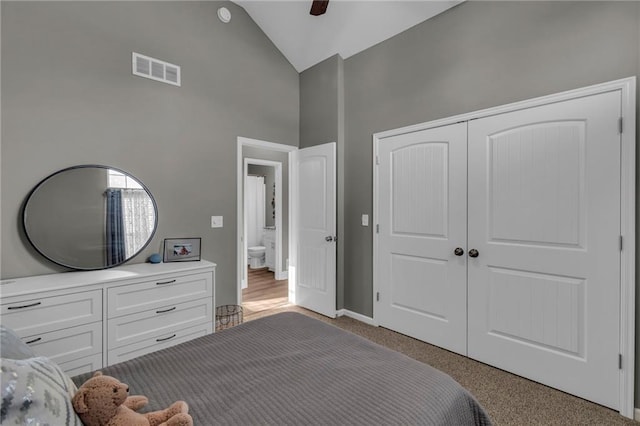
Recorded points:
(90,217)
(115,227)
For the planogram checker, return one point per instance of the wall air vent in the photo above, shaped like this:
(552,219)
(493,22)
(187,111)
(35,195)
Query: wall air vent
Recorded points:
(155,69)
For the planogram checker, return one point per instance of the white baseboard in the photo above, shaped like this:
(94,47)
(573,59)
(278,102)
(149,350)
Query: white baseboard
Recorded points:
(284,275)
(356,316)
(636,414)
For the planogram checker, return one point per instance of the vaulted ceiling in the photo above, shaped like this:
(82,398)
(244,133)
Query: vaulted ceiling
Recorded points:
(347,27)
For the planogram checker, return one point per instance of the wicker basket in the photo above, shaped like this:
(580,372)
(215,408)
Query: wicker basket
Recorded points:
(227,316)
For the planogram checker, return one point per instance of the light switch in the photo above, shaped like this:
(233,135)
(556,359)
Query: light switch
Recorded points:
(365,220)
(216,221)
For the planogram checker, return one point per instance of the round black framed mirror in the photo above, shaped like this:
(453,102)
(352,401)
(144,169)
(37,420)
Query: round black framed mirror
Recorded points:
(90,217)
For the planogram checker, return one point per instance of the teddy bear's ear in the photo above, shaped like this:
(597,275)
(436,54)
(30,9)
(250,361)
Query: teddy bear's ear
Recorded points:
(78,402)
(97,373)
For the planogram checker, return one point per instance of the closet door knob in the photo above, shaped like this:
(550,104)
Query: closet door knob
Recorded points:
(329,238)
(458,251)
(473,253)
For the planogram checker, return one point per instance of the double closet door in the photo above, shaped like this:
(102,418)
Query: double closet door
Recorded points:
(499,239)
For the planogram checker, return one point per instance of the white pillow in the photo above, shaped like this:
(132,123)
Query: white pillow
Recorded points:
(11,346)
(35,391)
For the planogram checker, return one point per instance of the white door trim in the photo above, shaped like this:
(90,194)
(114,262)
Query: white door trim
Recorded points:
(241,172)
(627,88)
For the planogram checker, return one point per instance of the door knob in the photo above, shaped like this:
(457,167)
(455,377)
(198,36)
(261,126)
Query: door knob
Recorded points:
(473,253)
(458,251)
(328,238)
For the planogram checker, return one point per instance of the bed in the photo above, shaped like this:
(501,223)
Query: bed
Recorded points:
(290,369)
(286,369)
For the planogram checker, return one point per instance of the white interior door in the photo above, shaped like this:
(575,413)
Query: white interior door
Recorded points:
(422,262)
(315,226)
(544,217)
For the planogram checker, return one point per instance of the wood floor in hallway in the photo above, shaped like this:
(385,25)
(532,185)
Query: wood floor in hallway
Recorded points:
(263,293)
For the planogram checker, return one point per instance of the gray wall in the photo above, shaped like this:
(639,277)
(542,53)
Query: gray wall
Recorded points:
(68,97)
(319,97)
(322,121)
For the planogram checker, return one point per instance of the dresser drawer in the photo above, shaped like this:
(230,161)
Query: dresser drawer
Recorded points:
(158,322)
(169,338)
(82,365)
(35,316)
(134,298)
(68,344)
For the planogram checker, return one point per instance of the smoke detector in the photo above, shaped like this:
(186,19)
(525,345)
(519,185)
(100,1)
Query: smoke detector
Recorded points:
(224,15)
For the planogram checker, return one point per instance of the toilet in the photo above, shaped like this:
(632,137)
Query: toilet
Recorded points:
(256,256)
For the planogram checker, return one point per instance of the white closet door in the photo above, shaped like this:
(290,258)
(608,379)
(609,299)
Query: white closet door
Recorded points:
(544,215)
(423,219)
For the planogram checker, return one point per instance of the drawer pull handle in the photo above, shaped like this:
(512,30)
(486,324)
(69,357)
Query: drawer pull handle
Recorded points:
(25,306)
(165,338)
(34,340)
(166,282)
(166,310)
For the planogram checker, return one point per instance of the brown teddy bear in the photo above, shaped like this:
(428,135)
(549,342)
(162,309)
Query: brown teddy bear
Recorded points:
(105,401)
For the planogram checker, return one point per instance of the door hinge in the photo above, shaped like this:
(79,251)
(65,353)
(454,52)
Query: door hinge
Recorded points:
(377,296)
(620,125)
(619,361)
(377,228)
(377,160)
(620,242)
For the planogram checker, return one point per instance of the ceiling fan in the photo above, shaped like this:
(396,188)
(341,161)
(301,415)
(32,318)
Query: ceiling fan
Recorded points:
(319,7)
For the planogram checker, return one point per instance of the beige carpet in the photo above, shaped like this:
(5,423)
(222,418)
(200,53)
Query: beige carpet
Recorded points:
(507,398)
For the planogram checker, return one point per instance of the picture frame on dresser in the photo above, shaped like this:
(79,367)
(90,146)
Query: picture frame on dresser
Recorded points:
(181,249)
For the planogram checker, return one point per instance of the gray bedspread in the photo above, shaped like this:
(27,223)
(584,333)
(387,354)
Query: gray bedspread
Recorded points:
(290,369)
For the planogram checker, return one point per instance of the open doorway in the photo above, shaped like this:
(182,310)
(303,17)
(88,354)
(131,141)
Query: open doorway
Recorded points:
(263,289)
(263,225)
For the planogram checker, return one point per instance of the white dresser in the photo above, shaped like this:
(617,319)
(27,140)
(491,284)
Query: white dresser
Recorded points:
(87,320)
